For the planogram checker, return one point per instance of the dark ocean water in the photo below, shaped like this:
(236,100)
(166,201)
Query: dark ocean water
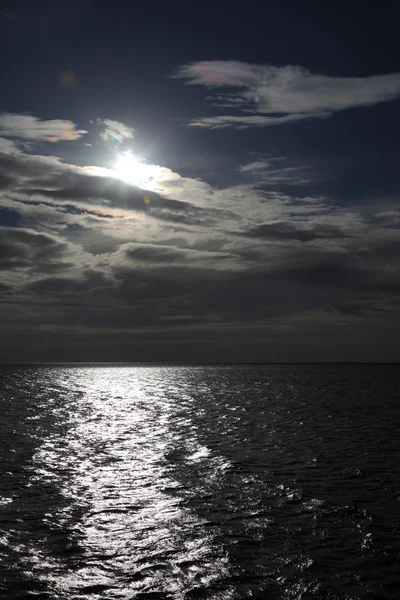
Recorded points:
(183,482)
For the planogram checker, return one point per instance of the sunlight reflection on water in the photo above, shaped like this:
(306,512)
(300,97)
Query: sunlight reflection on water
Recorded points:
(205,482)
(113,460)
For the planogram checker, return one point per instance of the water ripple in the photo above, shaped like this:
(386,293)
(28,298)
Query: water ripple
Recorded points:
(199,482)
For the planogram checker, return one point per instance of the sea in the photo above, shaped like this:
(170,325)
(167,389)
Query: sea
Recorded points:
(182,482)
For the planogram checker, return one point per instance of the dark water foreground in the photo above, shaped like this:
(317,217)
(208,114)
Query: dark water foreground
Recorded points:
(200,482)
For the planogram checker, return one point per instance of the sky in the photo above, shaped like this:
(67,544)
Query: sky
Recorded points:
(203,183)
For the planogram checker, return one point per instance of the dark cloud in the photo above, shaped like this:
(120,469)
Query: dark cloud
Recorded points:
(288,231)
(175,292)
(354,309)
(5,289)
(155,254)
(200,303)
(21,248)
(6,181)
(328,273)
(88,281)
(169,255)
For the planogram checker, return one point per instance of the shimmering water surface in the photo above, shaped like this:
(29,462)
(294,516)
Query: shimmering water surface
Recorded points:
(200,482)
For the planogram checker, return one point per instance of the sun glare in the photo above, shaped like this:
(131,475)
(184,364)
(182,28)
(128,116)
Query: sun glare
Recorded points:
(130,169)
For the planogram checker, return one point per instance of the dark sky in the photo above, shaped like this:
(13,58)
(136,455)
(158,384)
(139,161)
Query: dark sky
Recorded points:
(199,181)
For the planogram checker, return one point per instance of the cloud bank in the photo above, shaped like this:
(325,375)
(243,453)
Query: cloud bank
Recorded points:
(86,258)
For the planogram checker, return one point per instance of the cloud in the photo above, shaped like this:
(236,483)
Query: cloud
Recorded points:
(355,309)
(91,258)
(89,281)
(283,94)
(269,172)
(51,195)
(8,147)
(145,255)
(24,248)
(288,231)
(115,131)
(26,127)
(242,122)
(47,179)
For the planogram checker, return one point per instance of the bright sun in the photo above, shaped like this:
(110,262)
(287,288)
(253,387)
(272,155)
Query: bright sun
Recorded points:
(132,170)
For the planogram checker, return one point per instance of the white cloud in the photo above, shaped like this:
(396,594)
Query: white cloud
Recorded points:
(8,146)
(242,122)
(268,172)
(283,94)
(115,131)
(26,127)
(184,206)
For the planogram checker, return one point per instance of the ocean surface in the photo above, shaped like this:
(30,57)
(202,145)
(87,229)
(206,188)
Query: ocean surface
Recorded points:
(180,482)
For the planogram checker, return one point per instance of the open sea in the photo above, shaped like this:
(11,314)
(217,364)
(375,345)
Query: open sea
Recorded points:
(182,482)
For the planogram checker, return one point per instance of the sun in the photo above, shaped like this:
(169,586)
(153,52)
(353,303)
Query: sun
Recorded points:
(132,170)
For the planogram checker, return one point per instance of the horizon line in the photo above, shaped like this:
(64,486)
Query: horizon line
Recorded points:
(201,363)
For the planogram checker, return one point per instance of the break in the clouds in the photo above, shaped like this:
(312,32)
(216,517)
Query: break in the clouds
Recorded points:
(115,131)
(27,127)
(268,95)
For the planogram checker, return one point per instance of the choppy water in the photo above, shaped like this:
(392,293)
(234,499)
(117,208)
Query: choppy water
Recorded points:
(200,482)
